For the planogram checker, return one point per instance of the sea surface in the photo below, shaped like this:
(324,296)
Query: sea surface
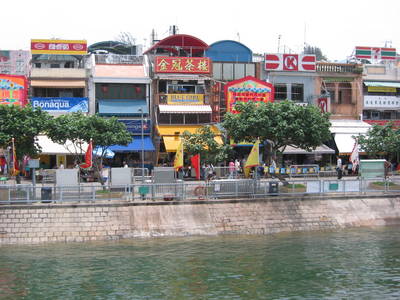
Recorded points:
(346,264)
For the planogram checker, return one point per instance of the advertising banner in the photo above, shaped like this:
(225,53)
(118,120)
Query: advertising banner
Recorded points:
(185,99)
(13,90)
(191,65)
(14,62)
(61,104)
(135,126)
(247,89)
(73,47)
(324,104)
(290,62)
(381,89)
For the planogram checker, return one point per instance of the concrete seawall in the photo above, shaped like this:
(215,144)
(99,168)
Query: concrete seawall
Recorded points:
(41,223)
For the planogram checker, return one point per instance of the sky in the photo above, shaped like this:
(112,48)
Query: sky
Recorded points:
(265,26)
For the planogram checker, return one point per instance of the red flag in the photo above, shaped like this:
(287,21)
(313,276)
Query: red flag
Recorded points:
(195,162)
(88,157)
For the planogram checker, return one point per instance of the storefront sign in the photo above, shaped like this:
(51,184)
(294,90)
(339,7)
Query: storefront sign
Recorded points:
(376,53)
(62,104)
(73,47)
(185,99)
(381,102)
(191,65)
(290,62)
(13,90)
(247,89)
(14,62)
(382,89)
(135,126)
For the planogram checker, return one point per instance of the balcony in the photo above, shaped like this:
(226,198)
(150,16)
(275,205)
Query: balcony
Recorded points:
(57,73)
(115,59)
(323,67)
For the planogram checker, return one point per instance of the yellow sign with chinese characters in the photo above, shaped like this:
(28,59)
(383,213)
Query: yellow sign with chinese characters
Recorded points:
(185,99)
(382,89)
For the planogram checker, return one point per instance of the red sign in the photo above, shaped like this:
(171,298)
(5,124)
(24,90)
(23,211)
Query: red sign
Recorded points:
(73,47)
(192,65)
(247,89)
(290,62)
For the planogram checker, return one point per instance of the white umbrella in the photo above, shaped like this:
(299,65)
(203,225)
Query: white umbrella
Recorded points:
(98,151)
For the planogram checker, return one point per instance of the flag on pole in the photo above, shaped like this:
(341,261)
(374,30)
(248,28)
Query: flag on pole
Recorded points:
(88,157)
(14,161)
(355,156)
(253,159)
(178,162)
(195,162)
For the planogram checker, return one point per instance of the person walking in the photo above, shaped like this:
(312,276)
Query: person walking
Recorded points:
(231,169)
(339,167)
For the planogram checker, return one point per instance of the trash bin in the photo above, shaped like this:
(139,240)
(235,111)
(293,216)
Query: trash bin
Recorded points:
(46,194)
(273,187)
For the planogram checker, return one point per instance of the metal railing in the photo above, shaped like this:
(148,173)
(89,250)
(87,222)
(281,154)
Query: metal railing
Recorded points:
(192,191)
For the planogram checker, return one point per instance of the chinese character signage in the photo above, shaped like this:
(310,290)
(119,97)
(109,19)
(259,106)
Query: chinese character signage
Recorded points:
(247,89)
(13,90)
(135,126)
(14,62)
(375,53)
(191,65)
(73,47)
(290,62)
(62,104)
(185,99)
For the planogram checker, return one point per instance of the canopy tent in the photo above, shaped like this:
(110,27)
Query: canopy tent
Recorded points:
(51,148)
(135,145)
(343,132)
(323,149)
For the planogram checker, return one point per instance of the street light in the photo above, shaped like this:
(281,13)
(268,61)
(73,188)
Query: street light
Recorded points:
(141,122)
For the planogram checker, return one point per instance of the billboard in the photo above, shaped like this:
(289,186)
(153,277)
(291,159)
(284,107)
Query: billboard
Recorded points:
(14,62)
(13,90)
(185,99)
(61,104)
(247,89)
(72,47)
(375,53)
(290,62)
(189,65)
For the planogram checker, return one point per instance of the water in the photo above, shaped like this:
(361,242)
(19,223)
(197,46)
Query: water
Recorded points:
(347,264)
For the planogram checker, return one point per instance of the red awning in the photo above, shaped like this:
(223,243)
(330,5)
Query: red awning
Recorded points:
(175,42)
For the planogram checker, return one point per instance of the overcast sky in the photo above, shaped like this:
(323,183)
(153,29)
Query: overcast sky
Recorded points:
(334,26)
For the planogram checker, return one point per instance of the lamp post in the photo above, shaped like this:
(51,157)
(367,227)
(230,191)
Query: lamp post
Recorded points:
(141,122)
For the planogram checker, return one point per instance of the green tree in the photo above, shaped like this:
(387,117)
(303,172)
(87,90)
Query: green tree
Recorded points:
(381,141)
(78,128)
(315,50)
(279,124)
(203,142)
(23,124)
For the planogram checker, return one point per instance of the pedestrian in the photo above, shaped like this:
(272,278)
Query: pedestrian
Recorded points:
(237,168)
(231,169)
(339,167)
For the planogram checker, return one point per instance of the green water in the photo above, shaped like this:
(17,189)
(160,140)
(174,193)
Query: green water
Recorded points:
(347,264)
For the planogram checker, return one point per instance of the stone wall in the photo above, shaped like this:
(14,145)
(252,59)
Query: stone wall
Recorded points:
(39,223)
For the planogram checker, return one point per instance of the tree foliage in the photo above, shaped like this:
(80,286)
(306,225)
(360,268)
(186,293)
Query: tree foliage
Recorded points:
(203,142)
(381,141)
(23,124)
(281,124)
(315,50)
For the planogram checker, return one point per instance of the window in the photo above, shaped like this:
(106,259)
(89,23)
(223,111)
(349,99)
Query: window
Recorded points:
(297,92)
(54,66)
(280,91)
(366,114)
(121,91)
(38,65)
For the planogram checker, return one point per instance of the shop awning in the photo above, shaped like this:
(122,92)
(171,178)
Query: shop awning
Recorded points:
(344,130)
(344,143)
(51,148)
(59,83)
(185,109)
(122,107)
(171,134)
(381,83)
(323,149)
(135,145)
